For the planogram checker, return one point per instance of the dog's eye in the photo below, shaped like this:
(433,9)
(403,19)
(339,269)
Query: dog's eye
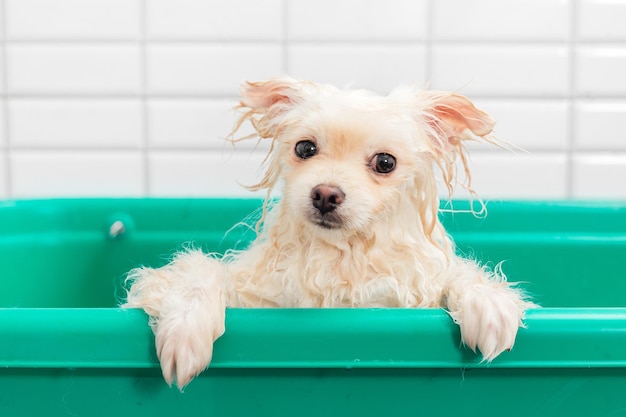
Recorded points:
(383,163)
(306,149)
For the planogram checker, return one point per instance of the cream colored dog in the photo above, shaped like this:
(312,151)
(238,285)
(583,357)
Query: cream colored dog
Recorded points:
(357,224)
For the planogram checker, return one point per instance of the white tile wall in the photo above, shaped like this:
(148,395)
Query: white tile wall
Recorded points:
(357,20)
(220,173)
(76,173)
(600,125)
(76,123)
(599,176)
(55,69)
(134,97)
(4,156)
(489,20)
(196,69)
(2,69)
(72,19)
(499,175)
(214,20)
(502,70)
(602,20)
(375,66)
(600,70)
(540,125)
(3,125)
(183,123)
(4,174)
(189,123)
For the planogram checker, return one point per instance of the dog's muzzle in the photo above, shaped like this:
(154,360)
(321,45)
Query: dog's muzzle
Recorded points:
(325,199)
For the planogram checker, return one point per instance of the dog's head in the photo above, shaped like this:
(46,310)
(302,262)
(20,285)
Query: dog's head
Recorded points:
(351,158)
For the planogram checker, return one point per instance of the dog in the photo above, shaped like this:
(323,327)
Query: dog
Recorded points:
(357,224)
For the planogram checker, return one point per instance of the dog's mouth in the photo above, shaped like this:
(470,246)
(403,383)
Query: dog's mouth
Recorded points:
(327,221)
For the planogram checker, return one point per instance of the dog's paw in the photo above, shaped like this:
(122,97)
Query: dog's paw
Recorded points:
(185,346)
(489,321)
(182,358)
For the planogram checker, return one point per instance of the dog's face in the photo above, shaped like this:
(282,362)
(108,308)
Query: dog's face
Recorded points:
(351,158)
(346,164)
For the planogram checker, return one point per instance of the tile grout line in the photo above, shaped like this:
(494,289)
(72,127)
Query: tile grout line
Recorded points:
(115,96)
(285,37)
(229,97)
(8,183)
(430,17)
(145,118)
(571,101)
(547,42)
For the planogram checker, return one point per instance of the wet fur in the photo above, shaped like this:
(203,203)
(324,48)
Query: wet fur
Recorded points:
(389,250)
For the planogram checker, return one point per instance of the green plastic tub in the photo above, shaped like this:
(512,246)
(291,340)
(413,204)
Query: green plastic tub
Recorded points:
(67,350)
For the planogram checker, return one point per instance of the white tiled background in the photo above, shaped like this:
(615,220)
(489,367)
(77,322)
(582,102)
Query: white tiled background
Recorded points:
(133,97)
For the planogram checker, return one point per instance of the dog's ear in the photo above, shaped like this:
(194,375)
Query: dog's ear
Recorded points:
(448,120)
(453,118)
(265,102)
(262,95)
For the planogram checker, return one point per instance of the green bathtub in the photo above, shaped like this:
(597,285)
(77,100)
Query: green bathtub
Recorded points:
(66,350)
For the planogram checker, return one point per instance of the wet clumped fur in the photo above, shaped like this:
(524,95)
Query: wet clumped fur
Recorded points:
(380,244)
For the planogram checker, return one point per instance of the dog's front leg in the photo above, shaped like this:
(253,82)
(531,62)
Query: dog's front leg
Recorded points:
(186,301)
(488,309)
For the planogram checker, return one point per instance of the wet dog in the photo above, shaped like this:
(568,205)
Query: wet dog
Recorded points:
(357,224)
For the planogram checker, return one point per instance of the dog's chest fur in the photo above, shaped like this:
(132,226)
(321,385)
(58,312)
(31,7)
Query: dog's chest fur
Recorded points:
(361,271)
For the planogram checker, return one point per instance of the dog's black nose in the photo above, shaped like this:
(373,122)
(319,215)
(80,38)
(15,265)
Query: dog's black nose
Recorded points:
(326,198)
